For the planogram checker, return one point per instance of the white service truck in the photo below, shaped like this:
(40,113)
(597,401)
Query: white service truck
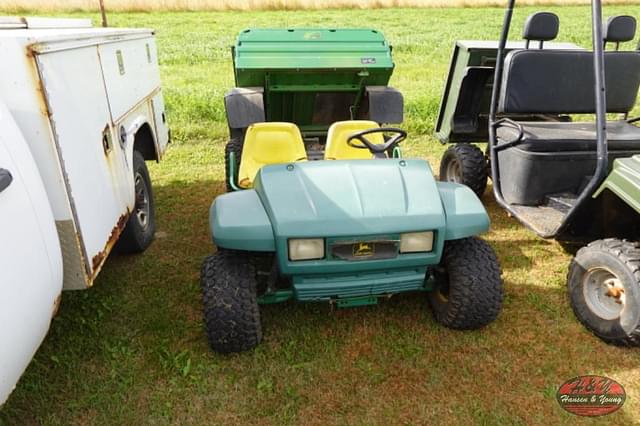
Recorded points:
(81,110)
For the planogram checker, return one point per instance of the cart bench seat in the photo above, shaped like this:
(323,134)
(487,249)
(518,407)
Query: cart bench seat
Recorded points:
(571,136)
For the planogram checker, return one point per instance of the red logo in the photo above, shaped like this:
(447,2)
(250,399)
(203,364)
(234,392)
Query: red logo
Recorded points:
(591,396)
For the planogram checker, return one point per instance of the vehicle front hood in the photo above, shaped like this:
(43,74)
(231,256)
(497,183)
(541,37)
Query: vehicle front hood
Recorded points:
(350,198)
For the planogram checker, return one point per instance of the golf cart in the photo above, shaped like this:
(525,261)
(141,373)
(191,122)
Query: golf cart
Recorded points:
(321,205)
(561,175)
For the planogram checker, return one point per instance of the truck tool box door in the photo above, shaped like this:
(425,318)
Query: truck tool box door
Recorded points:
(131,76)
(30,258)
(97,175)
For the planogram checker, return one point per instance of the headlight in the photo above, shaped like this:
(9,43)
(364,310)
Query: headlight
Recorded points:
(414,242)
(306,249)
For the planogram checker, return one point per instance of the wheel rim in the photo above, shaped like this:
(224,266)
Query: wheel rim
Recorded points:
(141,209)
(604,293)
(454,171)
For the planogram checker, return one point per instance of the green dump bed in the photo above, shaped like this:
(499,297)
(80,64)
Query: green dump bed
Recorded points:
(313,78)
(303,57)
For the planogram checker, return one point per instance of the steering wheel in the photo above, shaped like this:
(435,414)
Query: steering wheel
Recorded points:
(378,150)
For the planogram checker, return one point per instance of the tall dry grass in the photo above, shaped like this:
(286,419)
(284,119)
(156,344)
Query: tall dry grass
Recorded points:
(195,5)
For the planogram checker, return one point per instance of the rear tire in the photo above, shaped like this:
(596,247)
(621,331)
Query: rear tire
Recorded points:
(604,290)
(234,145)
(469,292)
(141,225)
(231,312)
(466,164)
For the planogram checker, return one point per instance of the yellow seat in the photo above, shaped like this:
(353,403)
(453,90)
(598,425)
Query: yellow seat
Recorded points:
(269,143)
(337,147)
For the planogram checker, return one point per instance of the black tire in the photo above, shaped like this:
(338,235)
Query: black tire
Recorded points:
(231,312)
(141,225)
(469,292)
(466,164)
(234,145)
(604,290)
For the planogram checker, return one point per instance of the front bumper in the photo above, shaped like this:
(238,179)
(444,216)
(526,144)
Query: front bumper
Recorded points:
(371,283)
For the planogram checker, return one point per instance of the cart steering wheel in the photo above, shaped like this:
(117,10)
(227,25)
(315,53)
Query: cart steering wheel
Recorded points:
(378,150)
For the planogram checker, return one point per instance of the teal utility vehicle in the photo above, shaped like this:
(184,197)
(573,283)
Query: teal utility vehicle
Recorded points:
(561,173)
(357,224)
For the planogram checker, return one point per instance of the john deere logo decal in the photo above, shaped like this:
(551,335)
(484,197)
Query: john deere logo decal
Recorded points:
(363,250)
(591,396)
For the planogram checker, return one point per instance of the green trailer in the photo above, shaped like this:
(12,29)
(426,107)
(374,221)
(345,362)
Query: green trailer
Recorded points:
(321,205)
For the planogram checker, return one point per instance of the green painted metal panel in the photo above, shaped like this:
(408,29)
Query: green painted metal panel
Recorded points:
(306,72)
(276,297)
(355,302)
(370,283)
(354,200)
(347,201)
(260,51)
(350,197)
(624,181)
(466,216)
(238,221)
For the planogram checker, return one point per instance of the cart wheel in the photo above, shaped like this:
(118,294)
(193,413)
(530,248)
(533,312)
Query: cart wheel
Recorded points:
(468,291)
(604,289)
(231,312)
(141,226)
(465,164)
(234,145)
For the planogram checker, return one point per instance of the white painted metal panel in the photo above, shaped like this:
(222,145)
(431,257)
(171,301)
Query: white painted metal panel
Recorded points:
(130,73)
(41,23)
(160,119)
(19,90)
(97,174)
(13,22)
(30,258)
(65,147)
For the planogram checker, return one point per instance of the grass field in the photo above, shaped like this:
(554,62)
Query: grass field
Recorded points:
(132,350)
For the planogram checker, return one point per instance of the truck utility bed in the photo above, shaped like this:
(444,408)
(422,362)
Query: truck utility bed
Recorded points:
(80,95)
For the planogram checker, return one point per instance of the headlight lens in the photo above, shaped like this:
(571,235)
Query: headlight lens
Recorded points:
(414,242)
(306,249)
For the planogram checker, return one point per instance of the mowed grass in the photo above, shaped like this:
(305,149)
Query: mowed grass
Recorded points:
(132,350)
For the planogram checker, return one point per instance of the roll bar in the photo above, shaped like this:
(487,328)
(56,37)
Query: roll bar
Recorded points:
(601,114)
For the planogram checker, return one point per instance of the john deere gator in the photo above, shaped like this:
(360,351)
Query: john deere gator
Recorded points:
(321,206)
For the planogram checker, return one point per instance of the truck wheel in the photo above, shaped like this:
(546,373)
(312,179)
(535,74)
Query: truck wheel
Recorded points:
(465,163)
(234,145)
(604,290)
(468,291)
(231,313)
(141,226)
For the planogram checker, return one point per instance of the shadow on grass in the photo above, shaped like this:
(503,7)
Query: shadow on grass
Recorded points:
(133,349)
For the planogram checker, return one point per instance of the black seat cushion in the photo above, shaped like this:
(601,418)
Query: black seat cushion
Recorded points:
(543,26)
(619,29)
(562,82)
(563,137)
